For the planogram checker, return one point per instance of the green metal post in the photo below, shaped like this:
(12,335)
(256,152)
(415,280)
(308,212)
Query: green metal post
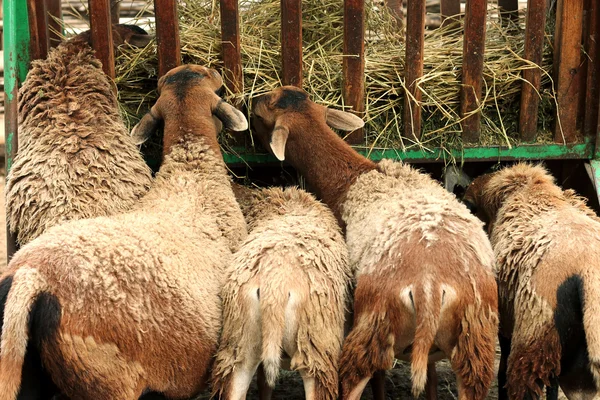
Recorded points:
(16,64)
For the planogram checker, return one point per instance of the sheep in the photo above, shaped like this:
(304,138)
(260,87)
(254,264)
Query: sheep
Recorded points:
(121,305)
(287,291)
(547,245)
(425,269)
(75,159)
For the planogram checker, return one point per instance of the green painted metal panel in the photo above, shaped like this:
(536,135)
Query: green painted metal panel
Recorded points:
(16,44)
(583,150)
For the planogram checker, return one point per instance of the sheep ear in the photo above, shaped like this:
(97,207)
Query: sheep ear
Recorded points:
(343,120)
(278,140)
(145,128)
(139,40)
(231,117)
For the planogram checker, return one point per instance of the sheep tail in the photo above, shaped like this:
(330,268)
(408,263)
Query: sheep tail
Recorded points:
(427,304)
(591,321)
(27,284)
(272,306)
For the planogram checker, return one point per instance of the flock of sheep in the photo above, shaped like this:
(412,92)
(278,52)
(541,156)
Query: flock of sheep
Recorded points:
(128,285)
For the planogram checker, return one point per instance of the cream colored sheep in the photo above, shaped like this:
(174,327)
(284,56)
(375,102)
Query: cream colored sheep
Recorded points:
(130,303)
(547,243)
(75,159)
(287,294)
(425,268)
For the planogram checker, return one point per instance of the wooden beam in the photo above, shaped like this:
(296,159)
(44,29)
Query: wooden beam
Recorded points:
(592,102)
(567,63)
(38,29)
(291,41)
(115,11)
(449,8)
(534,48)
(354,61)
(167,35)
(472,68)
(415,40)
(54,8)
(230,37)
(101,29)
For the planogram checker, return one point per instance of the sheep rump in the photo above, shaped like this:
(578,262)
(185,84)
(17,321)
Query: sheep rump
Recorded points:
(76,159)
(425,281)
(287,291)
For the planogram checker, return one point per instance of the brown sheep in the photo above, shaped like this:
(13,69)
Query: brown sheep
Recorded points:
(75,159)
(425,280)
(287,292)
(547,245)
(116,306)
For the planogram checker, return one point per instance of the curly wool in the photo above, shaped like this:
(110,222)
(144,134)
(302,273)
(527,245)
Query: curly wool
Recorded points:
(140,291)
(295,252)
(76,159)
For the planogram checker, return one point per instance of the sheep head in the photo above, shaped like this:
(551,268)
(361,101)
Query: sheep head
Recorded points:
(190,105)
(280,116)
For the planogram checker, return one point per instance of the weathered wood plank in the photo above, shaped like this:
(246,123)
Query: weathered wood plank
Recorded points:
(54,8)
(291,41)
(415,40)
(101,29)
(534,46)
(354,61)
(38,29)
(567,63)
(472,68)
(231,51)
(592,102)
(449,8)
(167,35)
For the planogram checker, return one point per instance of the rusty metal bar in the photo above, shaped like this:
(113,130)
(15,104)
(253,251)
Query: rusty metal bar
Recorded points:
(38,28)
(115,11)
(230,36)
(509,8)
(534,47)
(472,79)
(567,62)
(167,35)
(592,103)
(291,41)
(449,8)
(354,61)
(54,27)
(415,41)
(101,30)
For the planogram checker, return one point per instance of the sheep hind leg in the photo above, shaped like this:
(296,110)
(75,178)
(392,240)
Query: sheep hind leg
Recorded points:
(504,352)
(265,392)
(432,382)
(378,385)
(241,379)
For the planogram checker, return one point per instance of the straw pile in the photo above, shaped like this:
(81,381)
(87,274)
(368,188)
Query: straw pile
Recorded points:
(385,51)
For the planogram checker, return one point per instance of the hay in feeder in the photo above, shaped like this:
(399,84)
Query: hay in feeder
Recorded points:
(384,65)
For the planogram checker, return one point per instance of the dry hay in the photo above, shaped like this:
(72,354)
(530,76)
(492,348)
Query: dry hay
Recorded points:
(385,50)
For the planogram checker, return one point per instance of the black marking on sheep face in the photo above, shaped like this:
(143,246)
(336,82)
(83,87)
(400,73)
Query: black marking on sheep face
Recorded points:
(182,81)
(134,28)
(5,286)
(292,100)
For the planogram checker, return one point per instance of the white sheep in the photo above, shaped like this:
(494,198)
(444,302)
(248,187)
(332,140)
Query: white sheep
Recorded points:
(118,306)
(287,293)
(425,269)
(75,159)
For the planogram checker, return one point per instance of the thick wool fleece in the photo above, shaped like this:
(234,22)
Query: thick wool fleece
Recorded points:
(288,290)
(542,238)
(140,291)
(76,159)
(423,263)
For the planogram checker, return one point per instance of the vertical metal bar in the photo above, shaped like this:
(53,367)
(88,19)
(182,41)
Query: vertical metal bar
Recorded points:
(415,41)
(354,61)
(38,29)
(101,29)
(230,37)
(534,46)
(567,62)
(395,7)
(583,69)
(472,78)
(16,64)
(592,102)
(449,8)
(509,8)
(115,11)
(291,41)
(54,27)
(167,35)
